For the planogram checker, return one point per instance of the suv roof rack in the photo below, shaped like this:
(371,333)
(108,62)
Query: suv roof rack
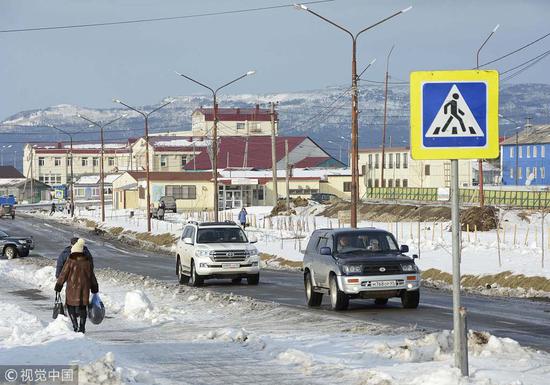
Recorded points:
(191,221)
(218,223)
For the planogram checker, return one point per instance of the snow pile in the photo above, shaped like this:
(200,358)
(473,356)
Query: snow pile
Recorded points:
(105,372)
(137,305)
(296,357)
(225,334)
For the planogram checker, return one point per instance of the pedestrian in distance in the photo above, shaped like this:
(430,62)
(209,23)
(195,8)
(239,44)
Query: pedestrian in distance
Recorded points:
(79,275)
(242,217)
(65,255)
(52,209)
(161,210)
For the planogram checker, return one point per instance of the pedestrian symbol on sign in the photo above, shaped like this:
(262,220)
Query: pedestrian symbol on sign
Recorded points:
(454,118)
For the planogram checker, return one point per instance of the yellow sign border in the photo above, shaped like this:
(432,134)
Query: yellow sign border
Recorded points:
(490,150)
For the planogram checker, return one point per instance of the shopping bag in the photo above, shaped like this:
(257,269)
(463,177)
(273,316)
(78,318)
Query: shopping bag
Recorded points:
(96,310)
(58,307)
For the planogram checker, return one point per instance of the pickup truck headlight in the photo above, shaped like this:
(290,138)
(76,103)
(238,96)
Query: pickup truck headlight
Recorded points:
(408,267)
(202,253)
(352,269)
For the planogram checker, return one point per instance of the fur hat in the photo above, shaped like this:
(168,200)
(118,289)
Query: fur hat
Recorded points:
(78,247)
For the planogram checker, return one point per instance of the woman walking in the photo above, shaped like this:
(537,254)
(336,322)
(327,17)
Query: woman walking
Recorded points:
(80,278)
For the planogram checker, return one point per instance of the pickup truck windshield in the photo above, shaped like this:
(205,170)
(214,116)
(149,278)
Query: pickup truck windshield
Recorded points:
(221,235)
(366,242)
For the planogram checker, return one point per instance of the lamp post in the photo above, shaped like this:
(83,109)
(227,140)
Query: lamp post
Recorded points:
(71,153)
(385,116)
(354,107)
(101,127)
(517,146)
(147,172)
(480,161)
(215,131)
(5,147)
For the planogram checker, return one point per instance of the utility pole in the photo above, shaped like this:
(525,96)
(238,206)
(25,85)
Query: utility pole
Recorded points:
(245,159)
(385,117)
(72,175)
(287,176)
(274,155)
(517,150)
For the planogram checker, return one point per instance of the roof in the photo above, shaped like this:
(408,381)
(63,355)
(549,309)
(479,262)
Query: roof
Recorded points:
(171,176)
(10,172)
(311,161)
(94,179)
(178,143)
(82,148)
(387,149)
(259,152)
(530,135)
(237,114)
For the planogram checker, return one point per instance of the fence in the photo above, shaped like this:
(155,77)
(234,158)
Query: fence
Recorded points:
(516,199)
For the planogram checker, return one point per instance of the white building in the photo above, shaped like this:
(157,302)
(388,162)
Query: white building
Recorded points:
(233,121)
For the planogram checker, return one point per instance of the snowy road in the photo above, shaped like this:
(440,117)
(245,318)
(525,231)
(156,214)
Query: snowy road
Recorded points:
(526,321)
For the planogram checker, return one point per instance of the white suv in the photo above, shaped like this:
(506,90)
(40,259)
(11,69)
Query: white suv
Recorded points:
(216,250)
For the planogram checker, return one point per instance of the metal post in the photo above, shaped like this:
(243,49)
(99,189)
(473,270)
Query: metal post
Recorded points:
(274,156)
(215,158)
(72,178)
(461,356)
(354,141)
(102,178)
(385,117)
(517,151)
(287,176)
(147,172)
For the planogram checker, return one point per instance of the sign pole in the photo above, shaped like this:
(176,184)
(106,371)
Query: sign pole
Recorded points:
(460,341)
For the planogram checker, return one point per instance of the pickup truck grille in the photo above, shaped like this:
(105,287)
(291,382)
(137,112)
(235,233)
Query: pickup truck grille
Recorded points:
(389,268)
(230,256)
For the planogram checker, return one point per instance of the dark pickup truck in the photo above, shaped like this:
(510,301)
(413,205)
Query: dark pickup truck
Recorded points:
(12,247)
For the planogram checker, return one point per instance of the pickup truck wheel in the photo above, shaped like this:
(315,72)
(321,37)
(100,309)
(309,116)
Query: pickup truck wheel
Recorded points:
(253,279)
(313,298)
(381,301)
(338,299)
(195,279)
(182,278)
(10,252)
(410,299)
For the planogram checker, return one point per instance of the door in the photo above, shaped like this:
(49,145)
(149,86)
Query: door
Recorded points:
(321,268)
(186,251)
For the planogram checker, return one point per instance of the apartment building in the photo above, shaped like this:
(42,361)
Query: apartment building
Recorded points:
(233,121)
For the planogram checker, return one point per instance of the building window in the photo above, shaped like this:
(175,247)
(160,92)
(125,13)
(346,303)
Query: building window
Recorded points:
(527,172)
(534,172)
(427,170)
(519,172)
(542,172)
(370,161)
(390,161)
(84,162)
(181,192)
(69,161)
(376,160)
(397,183)
(511,152)
(163,161)
(511,172)
(41,161)
(376,183)
(520,152)
(347,186)
(390,182)
(405,183)
(528,151)
(95,162)
(363,170)
(58,179)
(397,161)
(534,151)
(57,161)
(111,161)
(369,183)
(183,161)
(240,126)
(542,148)
(405,160)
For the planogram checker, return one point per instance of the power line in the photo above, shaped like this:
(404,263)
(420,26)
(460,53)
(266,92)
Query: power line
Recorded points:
(536,59)
(516,50)
(525,68)
(149,20)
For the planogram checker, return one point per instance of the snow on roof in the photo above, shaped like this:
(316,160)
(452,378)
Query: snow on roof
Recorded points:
(10,181)
(94,179)
(187,142)
(321,173)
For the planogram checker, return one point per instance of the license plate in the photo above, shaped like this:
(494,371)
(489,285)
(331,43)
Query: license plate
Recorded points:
(230,265)
(382,283)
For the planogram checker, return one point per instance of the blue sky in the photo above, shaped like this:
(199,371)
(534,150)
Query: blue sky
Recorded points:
(291,50)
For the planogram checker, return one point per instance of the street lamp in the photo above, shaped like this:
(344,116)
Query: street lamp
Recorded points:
(385,120)
(517,146)
(71,153)
(354,107)
(215,131)
(101,126)
(480,161)
(147,173)
(5,147)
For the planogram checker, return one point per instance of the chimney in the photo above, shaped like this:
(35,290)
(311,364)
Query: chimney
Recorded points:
(59,145)
(257,107)
(238,110)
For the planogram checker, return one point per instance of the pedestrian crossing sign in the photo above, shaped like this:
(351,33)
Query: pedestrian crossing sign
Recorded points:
(454,114)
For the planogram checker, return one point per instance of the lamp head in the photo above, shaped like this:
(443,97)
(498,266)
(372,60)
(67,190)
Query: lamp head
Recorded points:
(116,101)
(300,7)
(496,27)
(251,72)
(372,61)
(406,9)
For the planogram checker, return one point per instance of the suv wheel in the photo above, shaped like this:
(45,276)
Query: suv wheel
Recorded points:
(195,279)
(410,299)
(381,301)
(182,278)
(338,299)
(10,252)
(313,298)
(253,279)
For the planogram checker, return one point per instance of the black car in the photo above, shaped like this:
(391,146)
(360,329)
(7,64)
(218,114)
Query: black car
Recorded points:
(13,247)
(359,263)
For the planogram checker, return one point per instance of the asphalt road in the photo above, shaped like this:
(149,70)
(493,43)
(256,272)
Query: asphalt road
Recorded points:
(524,320)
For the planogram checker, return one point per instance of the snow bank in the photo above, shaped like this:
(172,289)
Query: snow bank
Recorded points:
(137,305)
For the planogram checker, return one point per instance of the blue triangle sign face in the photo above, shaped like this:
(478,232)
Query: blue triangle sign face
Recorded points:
(454,114)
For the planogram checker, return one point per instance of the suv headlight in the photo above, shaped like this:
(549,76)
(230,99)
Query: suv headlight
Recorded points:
(352,269)
(408,267)
(202,253)
(252,252)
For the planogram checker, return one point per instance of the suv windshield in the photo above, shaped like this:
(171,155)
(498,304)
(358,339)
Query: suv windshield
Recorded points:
(365,242)
(221,235)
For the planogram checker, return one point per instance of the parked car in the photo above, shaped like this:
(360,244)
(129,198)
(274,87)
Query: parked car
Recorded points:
(169,203)
(216,250)
(7,210)
(12,247)
(323,197)
(359,263)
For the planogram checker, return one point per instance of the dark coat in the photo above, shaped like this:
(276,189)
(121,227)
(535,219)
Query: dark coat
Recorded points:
(80,278)
(63,258)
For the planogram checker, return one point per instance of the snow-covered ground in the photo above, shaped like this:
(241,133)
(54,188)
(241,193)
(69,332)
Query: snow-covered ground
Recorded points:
(167,334)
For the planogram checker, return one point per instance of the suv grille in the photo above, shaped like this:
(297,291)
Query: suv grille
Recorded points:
(229,256)
(389,268)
